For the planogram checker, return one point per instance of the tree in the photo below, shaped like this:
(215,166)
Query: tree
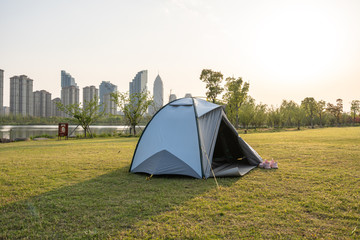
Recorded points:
(247,112)
(336,110)
(84,116)
(274,117)
(320,110)
(285,113)
(260,115)
(134,106)
(213,80)
(299,114)
(292,114)
(310,106)
(235,96)
(355,108)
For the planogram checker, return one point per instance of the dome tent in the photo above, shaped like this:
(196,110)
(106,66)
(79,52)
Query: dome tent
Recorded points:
(192,137)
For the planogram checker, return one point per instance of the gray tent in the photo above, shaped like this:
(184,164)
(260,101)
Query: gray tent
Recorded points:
(192,137)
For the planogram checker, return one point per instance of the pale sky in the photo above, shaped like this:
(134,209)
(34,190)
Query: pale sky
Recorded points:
(285,49)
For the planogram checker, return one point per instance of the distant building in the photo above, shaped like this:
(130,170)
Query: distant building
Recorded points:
(89,93)
(69,95)
(172,97)
(55,112)
(21,96)
(67,80)
(139,82)
(2,92)
(110,106)
(158,95)
(105,90)
(42,104)
(188,95)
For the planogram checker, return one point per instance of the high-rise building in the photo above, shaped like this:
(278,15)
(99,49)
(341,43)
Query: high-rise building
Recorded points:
(69,95)
(42,104)
(139,82)
(188,95)
(89,93)
(67,80)
(105,90)
(109,104)
(158,92)
(69,90)
(2,92)
(55,112)
(21,95)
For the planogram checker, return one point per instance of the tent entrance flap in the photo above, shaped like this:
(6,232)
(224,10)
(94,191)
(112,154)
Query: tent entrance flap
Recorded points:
(227,145)
(228,158)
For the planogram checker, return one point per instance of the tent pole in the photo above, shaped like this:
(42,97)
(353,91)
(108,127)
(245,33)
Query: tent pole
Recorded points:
(217,184)
(207,157)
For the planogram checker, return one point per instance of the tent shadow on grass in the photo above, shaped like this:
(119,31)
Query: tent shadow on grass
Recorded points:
(101,206)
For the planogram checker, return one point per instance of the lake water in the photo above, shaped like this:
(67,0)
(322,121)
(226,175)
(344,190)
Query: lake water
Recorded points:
(17,131)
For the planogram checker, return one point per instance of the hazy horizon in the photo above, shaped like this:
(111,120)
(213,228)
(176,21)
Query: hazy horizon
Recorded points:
(285,49)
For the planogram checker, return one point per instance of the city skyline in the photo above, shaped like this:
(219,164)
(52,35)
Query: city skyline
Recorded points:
(25,101)
(285,49)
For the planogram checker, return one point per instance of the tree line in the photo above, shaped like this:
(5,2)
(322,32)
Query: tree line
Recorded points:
(242,110)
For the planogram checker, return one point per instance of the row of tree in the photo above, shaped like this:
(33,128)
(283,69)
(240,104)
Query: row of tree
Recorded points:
(242,110)
(290,114)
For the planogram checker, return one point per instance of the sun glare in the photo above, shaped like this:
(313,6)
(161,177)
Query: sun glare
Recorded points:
(297,42)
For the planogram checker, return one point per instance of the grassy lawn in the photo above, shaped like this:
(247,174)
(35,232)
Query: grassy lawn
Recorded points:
(82,189)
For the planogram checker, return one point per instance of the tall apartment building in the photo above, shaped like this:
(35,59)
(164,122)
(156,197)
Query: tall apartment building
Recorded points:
(89,93)
(55,112)
(69,90)
(67,79)
(21,95)
(139,82)
(69,95)
(110,106)
(105,90)
(2,92)
(42,104)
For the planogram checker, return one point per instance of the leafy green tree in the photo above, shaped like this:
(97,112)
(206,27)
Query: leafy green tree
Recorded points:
(320,109)
(299,114)
(285,113)
(310,106)
(213,80)
(260,115)
(292,114)
(355,108)
(247,112)
(83,116)
(336,110)
(134,106)
(235,95)
(274,117)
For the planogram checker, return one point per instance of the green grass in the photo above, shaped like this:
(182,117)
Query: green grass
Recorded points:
(82,189)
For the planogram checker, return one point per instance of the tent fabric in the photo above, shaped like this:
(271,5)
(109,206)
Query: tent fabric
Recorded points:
(192,137)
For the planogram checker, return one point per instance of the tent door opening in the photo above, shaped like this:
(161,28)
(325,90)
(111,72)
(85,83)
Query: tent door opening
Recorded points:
(228,159)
